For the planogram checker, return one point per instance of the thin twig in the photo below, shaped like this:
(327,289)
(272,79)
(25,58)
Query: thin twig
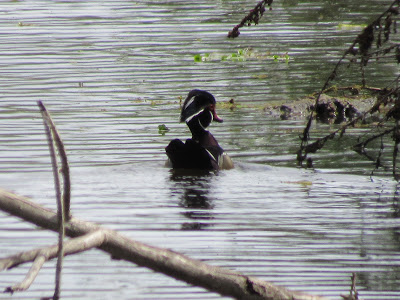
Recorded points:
(396,138)
(50,133)
(364,47)
(64,163)
(360,147)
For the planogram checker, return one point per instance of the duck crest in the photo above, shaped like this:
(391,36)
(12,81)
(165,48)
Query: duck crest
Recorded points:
(202,151)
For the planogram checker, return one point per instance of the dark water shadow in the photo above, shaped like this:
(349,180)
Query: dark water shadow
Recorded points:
(193,189)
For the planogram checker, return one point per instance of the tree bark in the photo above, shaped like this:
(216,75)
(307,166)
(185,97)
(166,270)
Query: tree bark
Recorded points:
(181,267)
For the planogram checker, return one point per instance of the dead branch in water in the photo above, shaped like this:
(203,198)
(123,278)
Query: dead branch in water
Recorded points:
(387,99)
(353,291)
(253,16)
(86,235)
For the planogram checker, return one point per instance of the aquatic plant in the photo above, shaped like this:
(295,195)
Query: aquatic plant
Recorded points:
(344,26)
(162,129)
(242,54)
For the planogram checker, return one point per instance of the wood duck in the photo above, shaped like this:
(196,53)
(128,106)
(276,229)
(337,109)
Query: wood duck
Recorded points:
(202,151)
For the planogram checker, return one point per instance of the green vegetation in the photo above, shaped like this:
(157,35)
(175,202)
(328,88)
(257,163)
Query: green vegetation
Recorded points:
(343,26)
(162,129)
(241,55)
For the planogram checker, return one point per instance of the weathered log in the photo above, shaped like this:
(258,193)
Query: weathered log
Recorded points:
(181,267)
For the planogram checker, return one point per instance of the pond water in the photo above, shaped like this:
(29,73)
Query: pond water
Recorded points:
(111,72)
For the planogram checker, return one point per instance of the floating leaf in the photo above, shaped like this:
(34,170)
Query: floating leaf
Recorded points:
(162,129)
(261,76)
(197,58)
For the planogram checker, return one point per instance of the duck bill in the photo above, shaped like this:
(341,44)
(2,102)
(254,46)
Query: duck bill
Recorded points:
(216,118)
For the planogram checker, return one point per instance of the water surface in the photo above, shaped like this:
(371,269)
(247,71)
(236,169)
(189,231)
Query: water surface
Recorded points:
(111,72)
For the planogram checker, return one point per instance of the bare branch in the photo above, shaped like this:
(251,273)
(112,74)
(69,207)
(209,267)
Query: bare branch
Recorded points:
(51,131)
(361,45)
(72,246)
(64,161)
(253,17)
(181,267)
(30,277)
(41,255)
(353,291)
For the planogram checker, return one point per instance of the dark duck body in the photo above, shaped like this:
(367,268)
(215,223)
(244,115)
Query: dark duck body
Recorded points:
(202,151)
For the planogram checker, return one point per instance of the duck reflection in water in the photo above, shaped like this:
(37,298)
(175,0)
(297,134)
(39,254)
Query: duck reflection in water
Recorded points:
(193,196)
(202,151)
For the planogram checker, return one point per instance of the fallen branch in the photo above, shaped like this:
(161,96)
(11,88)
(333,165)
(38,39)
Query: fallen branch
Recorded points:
(181,267)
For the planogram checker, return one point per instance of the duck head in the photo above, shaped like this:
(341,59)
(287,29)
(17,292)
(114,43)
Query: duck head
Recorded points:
(199,106)
(202,151)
